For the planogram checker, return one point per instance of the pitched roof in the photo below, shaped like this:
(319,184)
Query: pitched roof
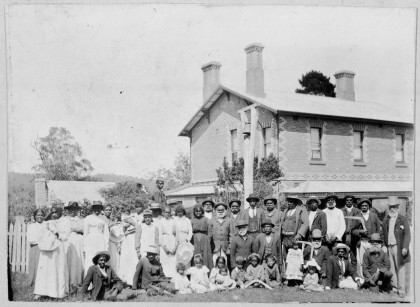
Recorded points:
(190,189)
(76,190)
(310,105)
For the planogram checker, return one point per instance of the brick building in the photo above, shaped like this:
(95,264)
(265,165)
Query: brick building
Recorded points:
(324,144)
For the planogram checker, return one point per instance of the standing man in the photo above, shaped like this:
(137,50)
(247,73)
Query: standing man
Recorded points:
(376,266)
(220,230)
(350,210)
(208,205)
(235,208)
(293,224)
(397,237)
(372,224)
(241,244)
(158,195)
(336,225)
(272,213)
(253,216)
(316,217)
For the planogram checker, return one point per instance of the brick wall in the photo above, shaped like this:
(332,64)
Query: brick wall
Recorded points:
(211,137)
(337,151)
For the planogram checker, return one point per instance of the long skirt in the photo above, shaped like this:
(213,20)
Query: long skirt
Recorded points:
(94,242)
(33,263)
(115,252)
(75,259)
(52,274)
(168,261)
(202,246)
(128,260)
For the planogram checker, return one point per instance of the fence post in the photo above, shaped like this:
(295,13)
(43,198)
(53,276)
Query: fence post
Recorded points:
(14,250)
(10,237)
(28,247)
(24,251)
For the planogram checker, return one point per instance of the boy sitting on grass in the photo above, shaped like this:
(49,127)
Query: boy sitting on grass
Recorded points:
(272,274)
(256,272)
(239,274)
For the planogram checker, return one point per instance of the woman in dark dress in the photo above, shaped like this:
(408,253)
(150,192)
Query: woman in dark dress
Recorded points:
(201,235)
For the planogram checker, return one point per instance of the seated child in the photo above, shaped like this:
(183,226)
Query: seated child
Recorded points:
(239,274)
(222,280)
(310,283)
(182,284)
(294,262)
(271,272)
(199,279)
(255,272)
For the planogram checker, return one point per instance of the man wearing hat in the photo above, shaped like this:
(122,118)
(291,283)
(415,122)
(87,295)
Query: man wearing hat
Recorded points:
(293,223)
(253,215)
(272,213)
(220,230)
(268,242)
(320,253)
(151,273)
(372,224)
(208,205)
(341,273)
(376,266)
(235,214)
(156,213)
(158,195)
(350,210)
(316,217)
(397,237)
(241,244)
(336,225)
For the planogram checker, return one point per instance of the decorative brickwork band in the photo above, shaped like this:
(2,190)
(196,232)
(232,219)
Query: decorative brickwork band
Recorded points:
(315,123)
(211,65)
(359,127)
(254,47)
(341,74)
(400,130)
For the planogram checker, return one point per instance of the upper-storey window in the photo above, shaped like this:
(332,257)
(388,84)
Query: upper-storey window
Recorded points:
(267,132)
(358,146)
(316,146)
(234,144)
(399,139)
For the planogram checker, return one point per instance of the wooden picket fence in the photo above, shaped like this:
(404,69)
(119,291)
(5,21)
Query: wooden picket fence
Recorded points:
(18,246)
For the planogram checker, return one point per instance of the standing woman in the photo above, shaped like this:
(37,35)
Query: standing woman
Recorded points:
(128,259)
(52,274)
(201,236)
(107,214)
(168,243)
(73,227)
(95,234)
(116,237)
(32,234)
(147,235)
(183,226)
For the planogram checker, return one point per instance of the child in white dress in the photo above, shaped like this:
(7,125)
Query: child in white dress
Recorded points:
(294,263)
(199,275)
(310,283)
(181,282)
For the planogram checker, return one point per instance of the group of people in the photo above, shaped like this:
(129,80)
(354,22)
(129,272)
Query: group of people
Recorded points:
(222,246)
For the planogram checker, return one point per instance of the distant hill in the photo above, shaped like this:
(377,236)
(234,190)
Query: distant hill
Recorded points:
(149,184)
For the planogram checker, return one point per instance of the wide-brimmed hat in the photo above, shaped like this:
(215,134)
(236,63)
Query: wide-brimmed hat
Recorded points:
(97,203)
(241,223)
(340,246)
(313,198)
(235,201)
(364,200)
(240,259)
(267,222)
(155,206)
(331,196)
(270,198)
(393,201)
(99,254)
(354,199)
(375,237)
(312,263)
(252,196)
(151,249)
(316,234)
(147,212)
(254,255)
(73,205)
(208,200)
(294,199)
(220,204)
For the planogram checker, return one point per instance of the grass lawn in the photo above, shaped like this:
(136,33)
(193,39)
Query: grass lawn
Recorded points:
(22,292)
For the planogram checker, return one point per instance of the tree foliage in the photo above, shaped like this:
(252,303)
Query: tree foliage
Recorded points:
(61,156)
(315,83)
(124,194)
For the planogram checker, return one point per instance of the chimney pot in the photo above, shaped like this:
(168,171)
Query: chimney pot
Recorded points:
(211,78)
(254,69)
(345,84)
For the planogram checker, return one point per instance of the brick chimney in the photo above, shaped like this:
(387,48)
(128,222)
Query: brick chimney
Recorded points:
(254,70)
(211,78)
(345,84)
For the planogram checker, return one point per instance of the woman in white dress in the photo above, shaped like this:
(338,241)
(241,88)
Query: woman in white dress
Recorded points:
(32,236)
(168,243)
(73,227)
(95,234)
(183,226)
(52,275)
(147,235)
(116,237)
(128,259)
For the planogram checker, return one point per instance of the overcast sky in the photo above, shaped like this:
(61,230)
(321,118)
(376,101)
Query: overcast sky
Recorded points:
(130,75)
